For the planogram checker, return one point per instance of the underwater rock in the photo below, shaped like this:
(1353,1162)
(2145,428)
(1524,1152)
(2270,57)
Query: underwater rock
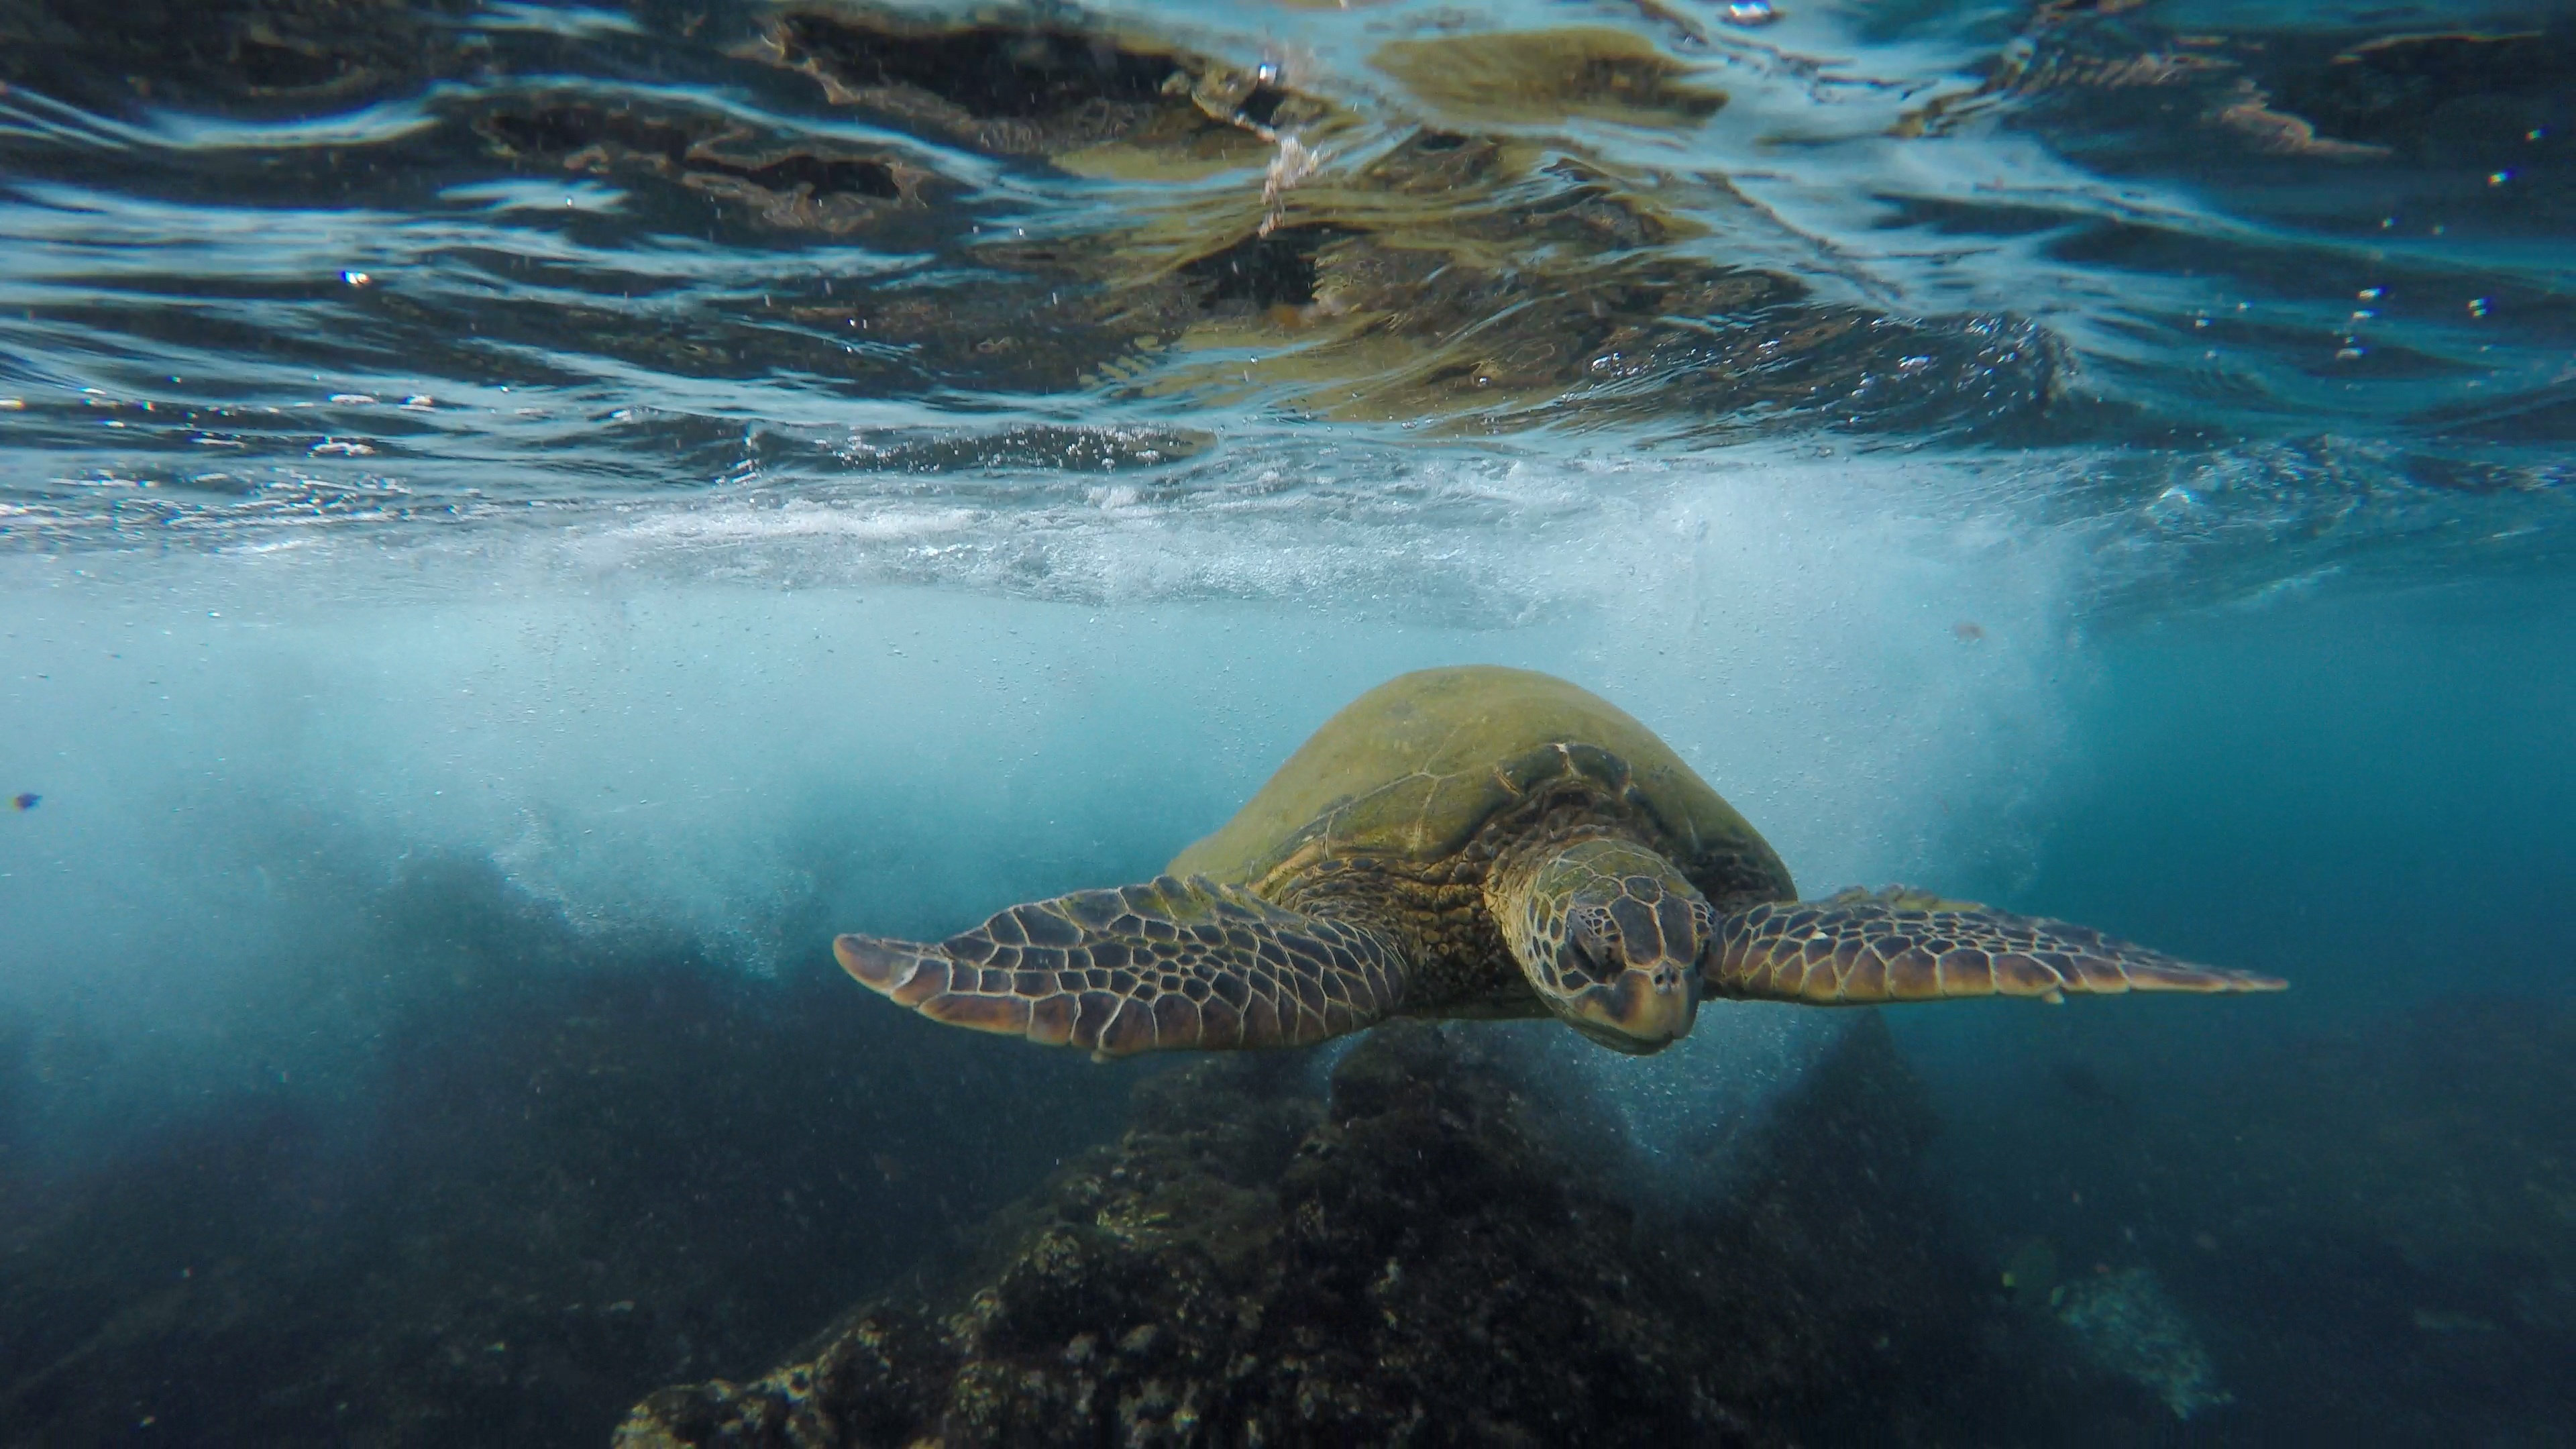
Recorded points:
(2128,1325)
(1418,1259)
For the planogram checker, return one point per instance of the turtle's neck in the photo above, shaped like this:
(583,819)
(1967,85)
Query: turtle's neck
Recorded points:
(1518,845)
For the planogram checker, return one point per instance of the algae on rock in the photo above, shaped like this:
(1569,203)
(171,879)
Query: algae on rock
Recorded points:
(1412,1261)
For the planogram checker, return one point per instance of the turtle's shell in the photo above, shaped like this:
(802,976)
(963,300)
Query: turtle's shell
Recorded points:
(1412,768)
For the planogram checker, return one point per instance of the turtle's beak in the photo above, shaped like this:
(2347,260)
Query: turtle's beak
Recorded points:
(1609,934)
(1657,1003)
(1643,1009)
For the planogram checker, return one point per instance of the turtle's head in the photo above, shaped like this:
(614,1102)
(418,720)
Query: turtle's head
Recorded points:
(1609,934)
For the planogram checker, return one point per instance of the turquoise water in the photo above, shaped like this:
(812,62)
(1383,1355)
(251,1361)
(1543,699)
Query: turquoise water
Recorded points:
(518,523)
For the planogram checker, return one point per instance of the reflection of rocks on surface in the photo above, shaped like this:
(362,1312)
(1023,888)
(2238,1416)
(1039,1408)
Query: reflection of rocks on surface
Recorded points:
(805,186)
(1078,205)
(1526,77)
(2334,94)
(1033,85)
(1488,282)
(2424,94)
(265,55)
(1419,1261)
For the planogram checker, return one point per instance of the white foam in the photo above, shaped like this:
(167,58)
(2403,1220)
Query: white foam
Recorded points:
(754,726)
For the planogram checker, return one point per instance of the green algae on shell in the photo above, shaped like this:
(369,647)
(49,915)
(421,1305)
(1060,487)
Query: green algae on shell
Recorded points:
(1413,768)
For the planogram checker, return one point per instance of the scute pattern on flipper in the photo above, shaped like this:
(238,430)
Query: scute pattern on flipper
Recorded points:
(1857,948)
(1170,964)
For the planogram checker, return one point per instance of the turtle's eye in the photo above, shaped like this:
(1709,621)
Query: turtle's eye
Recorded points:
(1593,934)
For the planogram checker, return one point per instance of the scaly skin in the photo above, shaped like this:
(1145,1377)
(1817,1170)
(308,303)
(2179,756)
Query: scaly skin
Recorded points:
(1325,946)
(1165,965)
(1608,934)
(1584,921)
(1899,945)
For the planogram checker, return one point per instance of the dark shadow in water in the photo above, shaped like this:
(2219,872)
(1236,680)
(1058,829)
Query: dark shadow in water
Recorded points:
(570,1172)
(2372,1232)
(2389,1228)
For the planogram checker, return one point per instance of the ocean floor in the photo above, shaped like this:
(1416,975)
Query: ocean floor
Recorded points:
(576,1174)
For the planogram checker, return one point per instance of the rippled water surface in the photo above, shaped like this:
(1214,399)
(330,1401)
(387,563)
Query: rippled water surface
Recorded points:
(356,266)
(517,521)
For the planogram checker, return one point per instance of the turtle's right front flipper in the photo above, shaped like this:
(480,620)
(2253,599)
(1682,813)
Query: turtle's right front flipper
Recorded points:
(1857,948)
(1169,965)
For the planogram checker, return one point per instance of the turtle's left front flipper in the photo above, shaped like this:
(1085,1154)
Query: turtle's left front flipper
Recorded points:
(1172,964)
(1899,945)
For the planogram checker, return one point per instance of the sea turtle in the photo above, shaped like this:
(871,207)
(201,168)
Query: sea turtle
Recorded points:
(1478,842)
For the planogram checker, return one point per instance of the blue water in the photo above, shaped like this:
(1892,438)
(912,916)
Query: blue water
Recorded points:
(517,523)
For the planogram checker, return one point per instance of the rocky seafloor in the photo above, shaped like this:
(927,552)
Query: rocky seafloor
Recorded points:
(1438,1252)
(558,1172)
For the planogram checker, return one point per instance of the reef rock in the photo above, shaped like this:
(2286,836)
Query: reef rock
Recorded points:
(1424,1258)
